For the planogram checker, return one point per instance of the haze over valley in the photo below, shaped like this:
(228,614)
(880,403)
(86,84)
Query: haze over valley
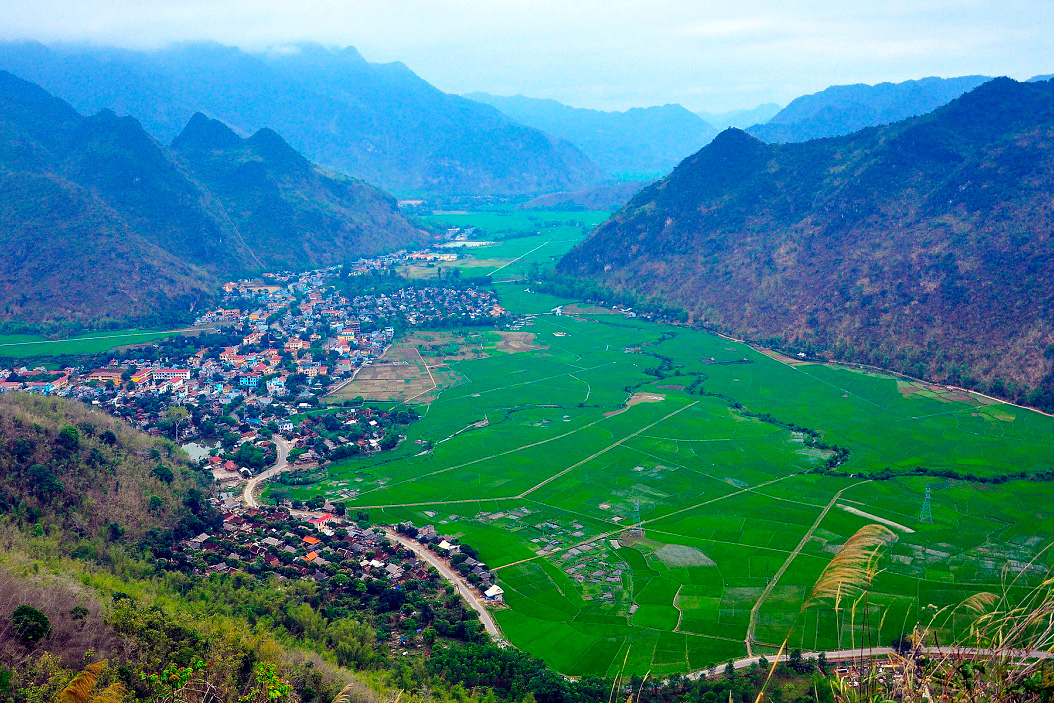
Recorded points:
(533,353)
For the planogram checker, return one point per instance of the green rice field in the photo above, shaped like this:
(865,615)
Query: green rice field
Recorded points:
(631,520)
(23,346)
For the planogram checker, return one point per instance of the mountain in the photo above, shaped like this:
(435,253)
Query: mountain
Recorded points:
(843,109)
(379,122)
(643,140)
(925,246)
(289,213)
(100,220)
(741,118)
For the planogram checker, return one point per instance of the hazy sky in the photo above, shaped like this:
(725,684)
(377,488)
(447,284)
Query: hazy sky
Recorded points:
(608,54)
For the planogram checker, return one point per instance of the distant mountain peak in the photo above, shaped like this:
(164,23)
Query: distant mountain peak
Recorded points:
(269,145)
(203,132)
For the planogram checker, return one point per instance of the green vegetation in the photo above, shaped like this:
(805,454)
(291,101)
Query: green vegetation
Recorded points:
(522,238)
(31,346)
(85,245)
(741,465)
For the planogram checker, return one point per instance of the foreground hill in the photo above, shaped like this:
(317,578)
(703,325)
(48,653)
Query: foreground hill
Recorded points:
(85,475)
(925,246)
(643,140)
(843,109)
(379,122)
(101,221)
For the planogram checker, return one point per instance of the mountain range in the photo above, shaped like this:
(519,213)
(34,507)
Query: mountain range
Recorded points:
(100,220)
(378,122)
(643,141)
(924,246)
(742,118)
(843,109)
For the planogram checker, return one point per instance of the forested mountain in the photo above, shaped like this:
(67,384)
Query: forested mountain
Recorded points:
(924,246)
(379,122)
(99,220)
(643,140)
(842,109)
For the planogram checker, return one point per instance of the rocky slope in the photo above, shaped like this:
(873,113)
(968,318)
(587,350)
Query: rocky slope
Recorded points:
(924,246)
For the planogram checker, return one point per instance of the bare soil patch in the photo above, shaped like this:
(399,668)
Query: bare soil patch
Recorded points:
(514,342)
(414,369)
(789,360)
(636,399)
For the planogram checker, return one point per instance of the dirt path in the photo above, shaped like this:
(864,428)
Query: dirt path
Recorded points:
(604,450)
(786,564)
(463,587)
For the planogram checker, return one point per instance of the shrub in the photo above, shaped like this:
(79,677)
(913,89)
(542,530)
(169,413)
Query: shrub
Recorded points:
(29,625)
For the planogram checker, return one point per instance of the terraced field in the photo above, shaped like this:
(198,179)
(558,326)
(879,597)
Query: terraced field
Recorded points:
(653,532)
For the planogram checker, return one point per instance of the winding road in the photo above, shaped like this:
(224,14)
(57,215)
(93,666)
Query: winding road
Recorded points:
(249,496)
(463,586)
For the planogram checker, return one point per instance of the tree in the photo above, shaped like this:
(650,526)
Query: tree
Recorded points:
(163,473)
(177,415)
(69,439)
(43,482)
(29,625)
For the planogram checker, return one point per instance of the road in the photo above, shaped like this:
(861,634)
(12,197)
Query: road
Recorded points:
(249,496)
(843,654)
(464,587)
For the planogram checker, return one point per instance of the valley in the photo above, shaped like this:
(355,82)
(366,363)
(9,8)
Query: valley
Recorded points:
(652,533)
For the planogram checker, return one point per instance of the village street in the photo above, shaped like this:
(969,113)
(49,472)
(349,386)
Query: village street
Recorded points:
(249,496)
(464,588)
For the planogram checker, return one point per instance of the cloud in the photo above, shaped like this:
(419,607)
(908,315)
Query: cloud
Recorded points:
(609,54)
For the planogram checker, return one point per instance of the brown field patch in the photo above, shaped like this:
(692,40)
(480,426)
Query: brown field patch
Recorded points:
(579,309)
(514,342)
(636,399)
(413,369)
(789,360)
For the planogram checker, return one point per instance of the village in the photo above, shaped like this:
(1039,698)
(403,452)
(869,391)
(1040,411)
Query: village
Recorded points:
(264,359)
(350,561)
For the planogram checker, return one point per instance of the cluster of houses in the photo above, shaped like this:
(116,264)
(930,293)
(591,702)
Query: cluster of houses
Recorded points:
(474,571)
(271,540)
(286,342)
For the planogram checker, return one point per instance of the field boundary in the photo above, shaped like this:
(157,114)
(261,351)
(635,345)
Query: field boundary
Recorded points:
(752,626)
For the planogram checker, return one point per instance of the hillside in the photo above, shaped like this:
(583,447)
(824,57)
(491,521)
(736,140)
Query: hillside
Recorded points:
(289,213)
(378,122)
(843,109)
(640,141)
(82,474)
(602,198)
(924,246)
(102,221)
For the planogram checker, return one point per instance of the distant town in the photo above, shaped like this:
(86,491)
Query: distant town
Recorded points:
(253,367)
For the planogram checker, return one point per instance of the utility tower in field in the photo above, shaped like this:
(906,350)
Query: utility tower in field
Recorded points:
(927,510)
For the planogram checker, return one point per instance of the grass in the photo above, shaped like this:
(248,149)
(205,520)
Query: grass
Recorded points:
(562,467)
(24,346)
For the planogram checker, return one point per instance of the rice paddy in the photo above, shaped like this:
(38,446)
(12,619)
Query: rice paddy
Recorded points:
(675,534)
